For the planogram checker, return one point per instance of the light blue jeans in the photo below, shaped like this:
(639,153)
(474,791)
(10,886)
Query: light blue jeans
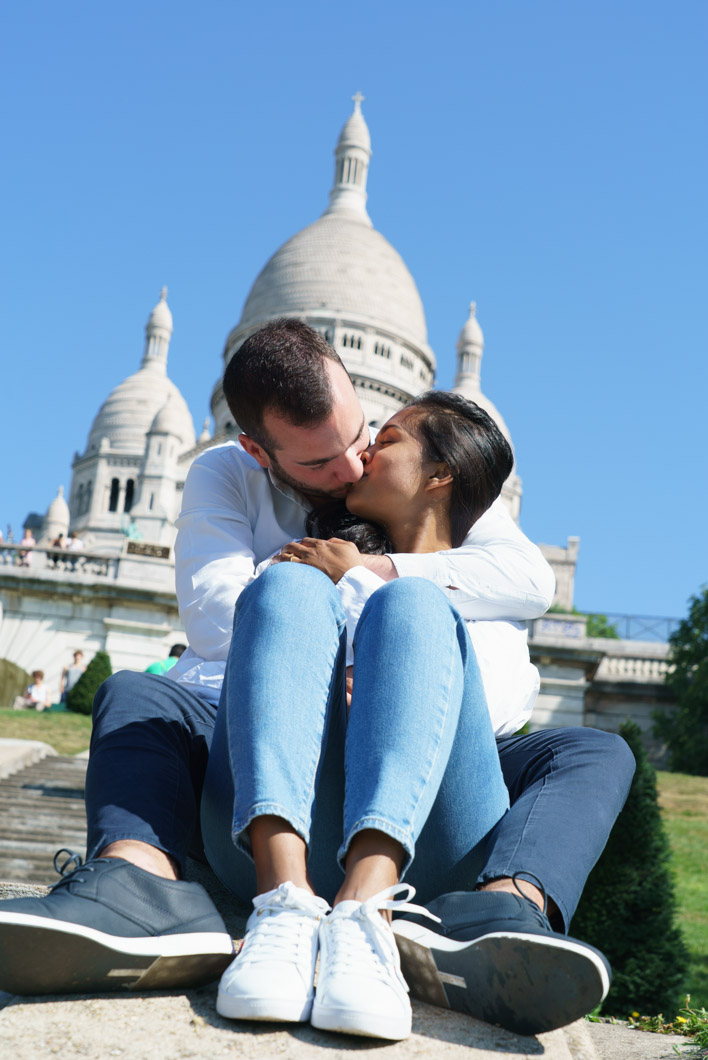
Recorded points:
(416,758)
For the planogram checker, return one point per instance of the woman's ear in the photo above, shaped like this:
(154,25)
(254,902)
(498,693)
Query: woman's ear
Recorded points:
(441,476)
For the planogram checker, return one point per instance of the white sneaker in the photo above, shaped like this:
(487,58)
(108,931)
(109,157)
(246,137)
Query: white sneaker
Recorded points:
(360,988)
(272,976)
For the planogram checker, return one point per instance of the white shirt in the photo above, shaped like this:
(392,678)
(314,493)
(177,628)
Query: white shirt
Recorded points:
(235,515)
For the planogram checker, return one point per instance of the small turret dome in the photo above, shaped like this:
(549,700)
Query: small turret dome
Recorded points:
(56,521)
(471,334)
(128,412)
(170,419)
(355,132)
(161,316)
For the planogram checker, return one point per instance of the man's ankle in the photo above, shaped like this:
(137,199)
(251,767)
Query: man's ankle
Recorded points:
(144,856)
(527,889)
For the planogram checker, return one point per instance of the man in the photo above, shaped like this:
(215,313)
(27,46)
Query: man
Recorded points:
(70,675)
(126,918)
(163,665)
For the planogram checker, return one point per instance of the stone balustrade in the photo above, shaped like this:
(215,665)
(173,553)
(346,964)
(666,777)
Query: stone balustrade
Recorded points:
(632,668)
(83,564)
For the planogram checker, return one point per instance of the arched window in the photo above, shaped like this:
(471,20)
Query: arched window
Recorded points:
(80,500)
(87,497)
(129,491)
(113,500)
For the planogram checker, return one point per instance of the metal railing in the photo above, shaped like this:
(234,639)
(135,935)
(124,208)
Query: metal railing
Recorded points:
(654,628)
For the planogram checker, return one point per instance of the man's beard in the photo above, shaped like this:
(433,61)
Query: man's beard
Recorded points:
(311,492)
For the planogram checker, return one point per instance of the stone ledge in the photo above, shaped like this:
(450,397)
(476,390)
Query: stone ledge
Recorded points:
(187,1027)
(16,754)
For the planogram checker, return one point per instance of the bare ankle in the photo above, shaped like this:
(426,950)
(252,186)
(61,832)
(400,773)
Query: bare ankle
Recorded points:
(529,890)
(373,864)
(279,854)
(144,856)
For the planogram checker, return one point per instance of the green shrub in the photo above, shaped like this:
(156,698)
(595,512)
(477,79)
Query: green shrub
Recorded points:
(600,626)
(80,698)
(628,907)
(686,731)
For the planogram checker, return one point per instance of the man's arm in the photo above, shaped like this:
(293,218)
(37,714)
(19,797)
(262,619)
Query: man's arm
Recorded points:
(214,557)
(496,572)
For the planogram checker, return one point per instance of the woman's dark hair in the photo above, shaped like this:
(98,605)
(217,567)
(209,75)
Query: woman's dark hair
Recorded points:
(453,431)
(462,435)
(335,520)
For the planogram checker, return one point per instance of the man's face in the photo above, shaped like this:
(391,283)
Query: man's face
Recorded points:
(320,461)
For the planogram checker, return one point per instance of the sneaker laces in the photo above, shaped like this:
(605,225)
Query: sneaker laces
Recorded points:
(69,875)
(540,914)
(360,940)
(283,921)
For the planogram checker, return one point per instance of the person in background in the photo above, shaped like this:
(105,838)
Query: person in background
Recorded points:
(70,675)
(74,544)
(36,695)
(163,665)
(54,557)
(24,558)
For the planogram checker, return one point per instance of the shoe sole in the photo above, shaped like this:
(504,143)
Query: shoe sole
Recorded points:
(366,1024)
(38,956)
(259,1008)
(525,983)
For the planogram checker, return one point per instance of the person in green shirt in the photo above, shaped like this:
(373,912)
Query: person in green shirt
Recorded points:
(163,665)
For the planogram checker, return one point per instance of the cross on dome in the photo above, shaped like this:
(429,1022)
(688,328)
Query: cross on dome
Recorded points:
(358,99)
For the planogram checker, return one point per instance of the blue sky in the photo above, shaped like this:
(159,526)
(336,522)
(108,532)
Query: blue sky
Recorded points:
(546,159)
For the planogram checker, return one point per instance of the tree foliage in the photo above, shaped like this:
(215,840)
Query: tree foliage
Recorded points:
(80,698)
(628,907)
(600,626)
(686,730)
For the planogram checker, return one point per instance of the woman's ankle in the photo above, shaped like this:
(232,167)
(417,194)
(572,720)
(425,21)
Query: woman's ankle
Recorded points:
(373,864)
(279,854)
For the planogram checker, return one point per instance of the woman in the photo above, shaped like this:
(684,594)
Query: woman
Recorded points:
(36,695)
(413,770)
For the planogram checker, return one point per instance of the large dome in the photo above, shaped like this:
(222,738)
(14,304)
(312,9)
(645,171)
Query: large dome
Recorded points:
(126,415)
(339,264)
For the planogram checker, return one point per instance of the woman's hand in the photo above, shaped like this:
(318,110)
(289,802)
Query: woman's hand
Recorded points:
(349,686)
(333,557)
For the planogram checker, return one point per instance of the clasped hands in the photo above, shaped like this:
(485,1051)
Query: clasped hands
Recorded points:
(333,557)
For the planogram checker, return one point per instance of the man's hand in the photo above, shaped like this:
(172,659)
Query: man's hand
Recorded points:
(349,686)
(381,565)
(334,557)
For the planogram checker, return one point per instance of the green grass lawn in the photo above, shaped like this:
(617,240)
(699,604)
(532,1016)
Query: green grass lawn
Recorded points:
(684,805)
(67,733)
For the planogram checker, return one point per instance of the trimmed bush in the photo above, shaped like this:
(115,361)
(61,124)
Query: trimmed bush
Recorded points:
(80,698)
(686,730)
(628,907)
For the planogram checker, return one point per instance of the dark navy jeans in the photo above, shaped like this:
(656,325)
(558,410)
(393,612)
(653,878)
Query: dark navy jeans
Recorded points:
(150,747)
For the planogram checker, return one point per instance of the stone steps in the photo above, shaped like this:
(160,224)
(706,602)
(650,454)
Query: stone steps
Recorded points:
(41,810)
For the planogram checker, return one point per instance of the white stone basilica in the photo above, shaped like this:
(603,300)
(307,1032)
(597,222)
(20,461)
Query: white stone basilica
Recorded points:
(343,278)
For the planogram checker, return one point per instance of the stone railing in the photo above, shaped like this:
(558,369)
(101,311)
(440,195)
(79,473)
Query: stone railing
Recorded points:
(141,565)
(39,559)
(632,667)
